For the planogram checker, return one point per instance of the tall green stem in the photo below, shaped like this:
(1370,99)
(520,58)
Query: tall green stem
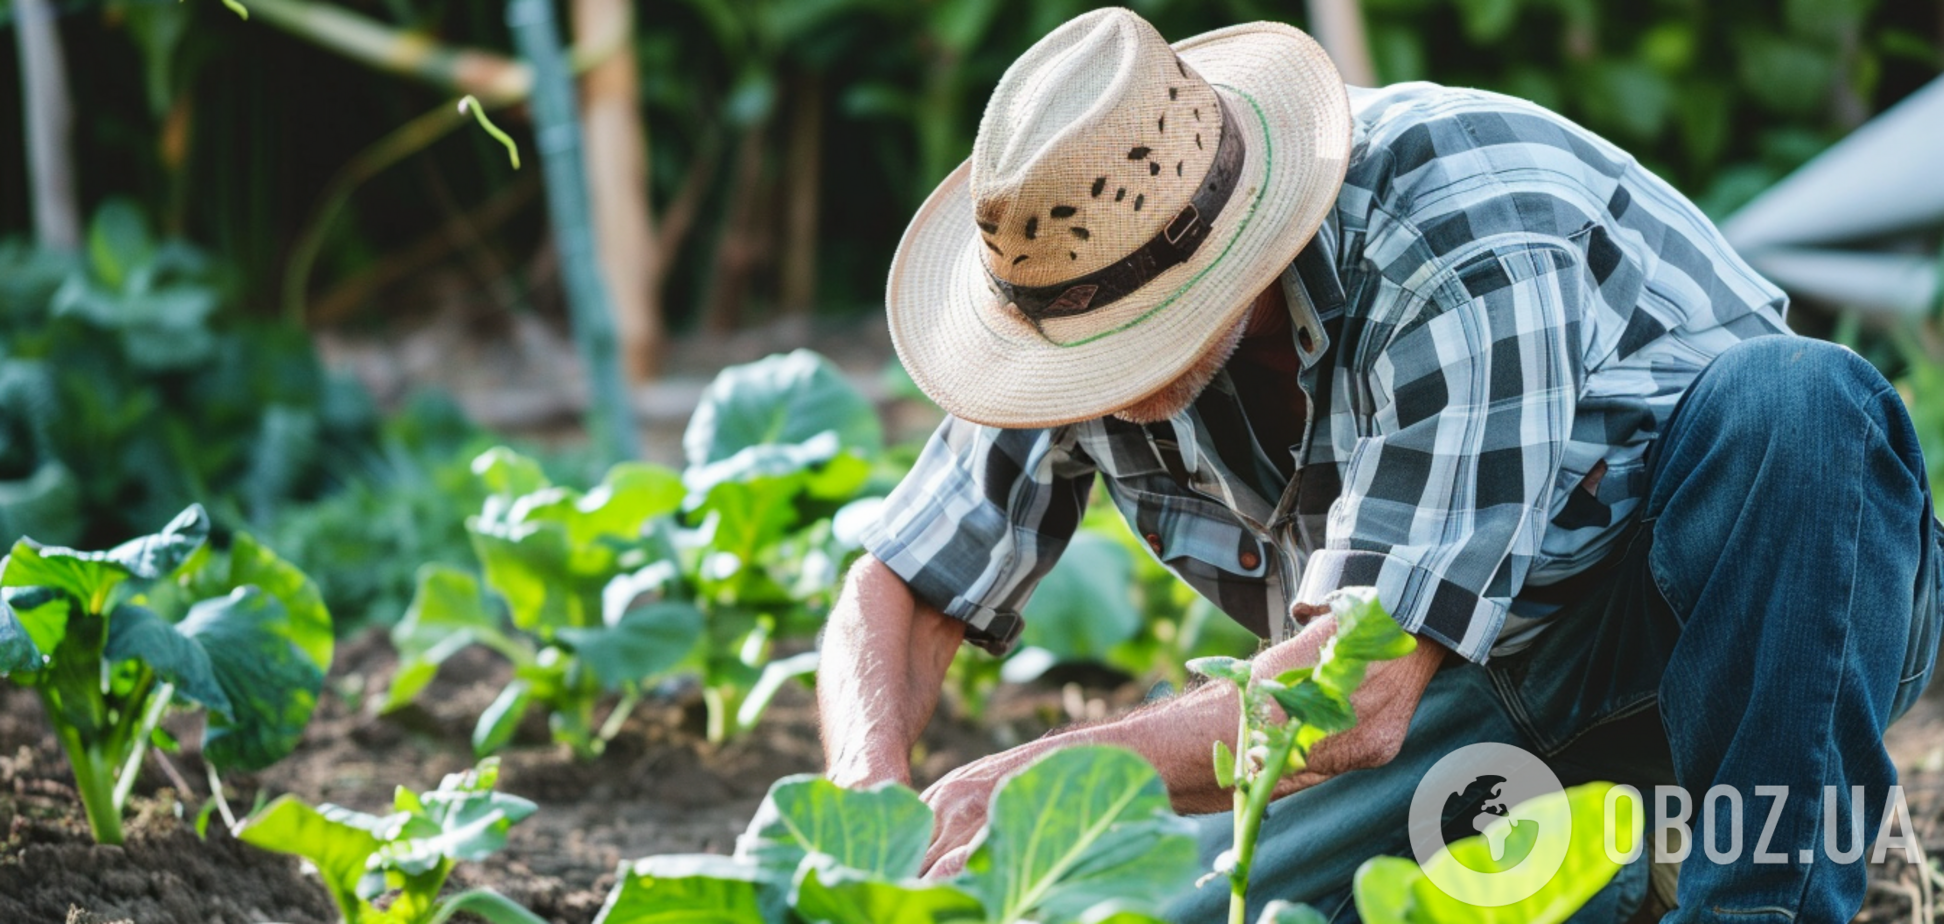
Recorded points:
(91,778)
(138,742)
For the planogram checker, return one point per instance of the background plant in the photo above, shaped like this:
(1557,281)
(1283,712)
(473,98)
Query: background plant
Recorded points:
(109,640)
(405,855)
(1083,834)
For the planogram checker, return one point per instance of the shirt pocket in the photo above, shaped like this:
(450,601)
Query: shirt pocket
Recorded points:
(1195,537)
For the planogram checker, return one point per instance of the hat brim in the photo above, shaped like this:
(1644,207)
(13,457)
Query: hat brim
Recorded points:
(983,363)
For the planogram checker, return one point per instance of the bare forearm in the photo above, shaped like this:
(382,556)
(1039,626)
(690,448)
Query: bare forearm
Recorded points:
(884,658)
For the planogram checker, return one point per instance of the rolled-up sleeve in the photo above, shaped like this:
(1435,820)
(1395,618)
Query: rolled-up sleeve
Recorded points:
(1446,498)
(980,519)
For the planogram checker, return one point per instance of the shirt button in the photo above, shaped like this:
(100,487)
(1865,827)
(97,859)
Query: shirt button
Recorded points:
(1250,560)
(1154,542)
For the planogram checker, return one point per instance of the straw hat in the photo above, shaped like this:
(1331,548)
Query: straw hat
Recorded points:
(1124,204)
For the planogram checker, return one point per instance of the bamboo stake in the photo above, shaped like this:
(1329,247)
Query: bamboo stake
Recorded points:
(610,421)
(617,167)
(50,119)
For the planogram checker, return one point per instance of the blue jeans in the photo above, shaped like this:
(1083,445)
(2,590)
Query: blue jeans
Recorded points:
(1772,610)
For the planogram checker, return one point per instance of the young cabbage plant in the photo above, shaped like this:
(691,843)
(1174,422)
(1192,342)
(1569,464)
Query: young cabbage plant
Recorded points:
(1085,834)
(1316,703)
(407,854)
(109,640)
(583,579)
(775,449)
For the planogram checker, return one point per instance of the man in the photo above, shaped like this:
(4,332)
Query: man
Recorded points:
(1435,341)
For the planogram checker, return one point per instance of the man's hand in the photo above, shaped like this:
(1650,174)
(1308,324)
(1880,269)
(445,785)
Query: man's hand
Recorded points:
(959,801)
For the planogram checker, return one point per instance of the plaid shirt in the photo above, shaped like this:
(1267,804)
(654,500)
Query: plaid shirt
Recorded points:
(1500,302)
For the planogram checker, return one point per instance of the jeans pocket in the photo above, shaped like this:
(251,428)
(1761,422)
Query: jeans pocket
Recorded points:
(1926,625)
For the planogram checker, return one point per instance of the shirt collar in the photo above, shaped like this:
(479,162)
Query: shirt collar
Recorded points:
(1314,292)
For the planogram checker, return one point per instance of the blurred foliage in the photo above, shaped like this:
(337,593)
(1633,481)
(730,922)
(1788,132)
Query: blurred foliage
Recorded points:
(129,389)
(228,128)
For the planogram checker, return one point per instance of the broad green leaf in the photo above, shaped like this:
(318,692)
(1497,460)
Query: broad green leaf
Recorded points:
(648,640)
(827,895)
(683,889)
(1078,827)
(1586,869)
(136,633)
(272,685)
(781,399)
(529,566)
(1115,911)
(327,838)
(1282,912)
(883,830)
(40,613)
(1383,888)
(119,241)
(1084,606)
(87,577)
(46,505)
(504,471)
(501,718)
(447,613)
(154,556)
(252,564)
(1364,630)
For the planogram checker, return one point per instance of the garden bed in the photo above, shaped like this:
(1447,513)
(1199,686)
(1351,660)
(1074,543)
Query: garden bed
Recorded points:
(659,789)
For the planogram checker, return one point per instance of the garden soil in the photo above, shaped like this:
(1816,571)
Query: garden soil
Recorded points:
(660,788)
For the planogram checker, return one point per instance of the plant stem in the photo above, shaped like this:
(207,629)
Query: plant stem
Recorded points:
(718,714)
(619,717)
(92,781)
(138,742)
(216,793)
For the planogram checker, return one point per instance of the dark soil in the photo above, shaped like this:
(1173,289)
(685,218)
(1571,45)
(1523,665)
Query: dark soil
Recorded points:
(659,788)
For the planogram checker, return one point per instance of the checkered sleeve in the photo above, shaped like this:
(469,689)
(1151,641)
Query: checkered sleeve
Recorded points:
(1446,491)
(980,519)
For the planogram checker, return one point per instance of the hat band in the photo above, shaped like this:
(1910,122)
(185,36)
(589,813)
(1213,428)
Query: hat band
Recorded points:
(1172,246)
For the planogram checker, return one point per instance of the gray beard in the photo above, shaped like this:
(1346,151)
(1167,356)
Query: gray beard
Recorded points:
(1176,396)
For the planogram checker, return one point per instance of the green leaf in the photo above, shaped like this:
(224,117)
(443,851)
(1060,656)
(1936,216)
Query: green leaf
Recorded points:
(646,641)
(683,889)
(39,615)
(1365,632)
(1383,888)
(1224,765)
(501,718)
(86,577)
(154,556)
(1487,21)
(781,399)
(826,895)
(119,241)
(504,471)
(882,831)
(464,819)
(272,684)
(1078,827)
(46,504)
(447,614)
(1233,670)
(1084,606)
(528,565)
(136,633)
(1282,912)
(254,565)
(336,841)
(1317,706)
(1115,911)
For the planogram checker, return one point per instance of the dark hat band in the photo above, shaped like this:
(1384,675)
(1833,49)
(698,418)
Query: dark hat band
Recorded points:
(1177,241)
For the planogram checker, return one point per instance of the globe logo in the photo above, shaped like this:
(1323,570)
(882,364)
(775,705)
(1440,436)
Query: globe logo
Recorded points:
(1483,790)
